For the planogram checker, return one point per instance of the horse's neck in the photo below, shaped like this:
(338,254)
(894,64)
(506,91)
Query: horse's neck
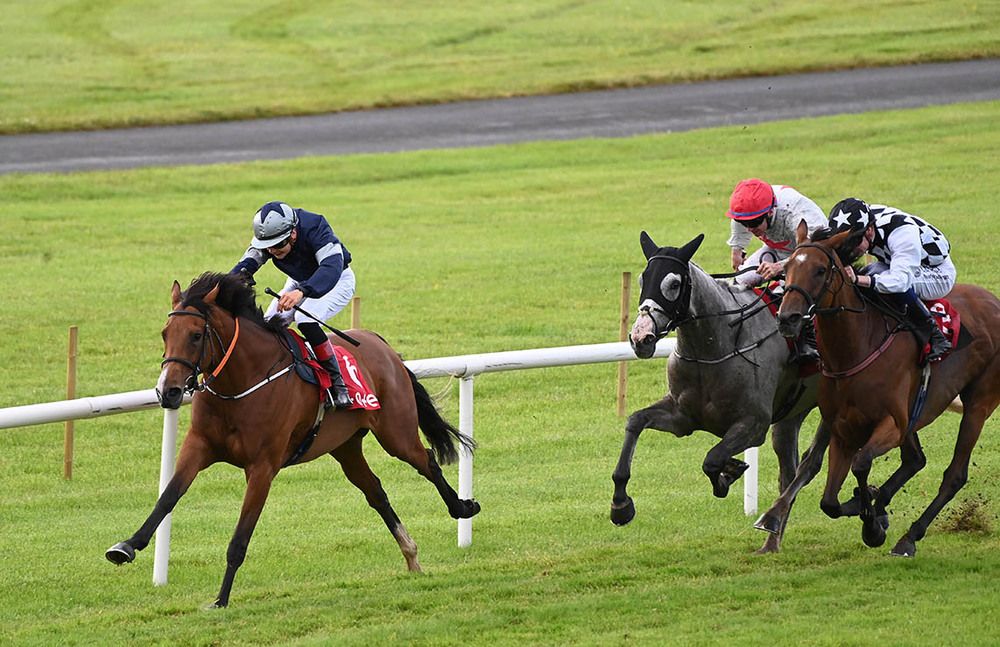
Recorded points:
(708,298)
(847,338)
(256,351)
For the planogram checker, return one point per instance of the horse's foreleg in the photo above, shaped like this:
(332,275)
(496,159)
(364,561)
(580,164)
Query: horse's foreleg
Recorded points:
(663,416)
(259,478)
(776,518)
(887,435)
(720,466)
(193,458)
(840,467)
(955,476)
(359,473)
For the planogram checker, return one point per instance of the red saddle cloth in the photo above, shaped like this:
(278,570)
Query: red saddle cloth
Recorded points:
(362,397)
(948,320)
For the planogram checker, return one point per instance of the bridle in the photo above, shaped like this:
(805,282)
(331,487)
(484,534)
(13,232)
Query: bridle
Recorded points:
(191,384)
(812,303)
(683,305)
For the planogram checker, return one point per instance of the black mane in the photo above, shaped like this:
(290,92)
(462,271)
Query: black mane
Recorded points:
(234,296)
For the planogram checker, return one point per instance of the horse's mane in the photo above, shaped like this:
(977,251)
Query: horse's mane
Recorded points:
(235,296)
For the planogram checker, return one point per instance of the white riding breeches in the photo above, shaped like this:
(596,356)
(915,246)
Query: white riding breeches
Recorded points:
(928,282)
(323,307)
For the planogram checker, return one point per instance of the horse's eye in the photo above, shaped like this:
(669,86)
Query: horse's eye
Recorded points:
(821,271)
(196,337)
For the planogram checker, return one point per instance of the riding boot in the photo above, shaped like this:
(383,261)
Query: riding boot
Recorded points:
(805,351)
(327,359)
(341,398)
(926,326)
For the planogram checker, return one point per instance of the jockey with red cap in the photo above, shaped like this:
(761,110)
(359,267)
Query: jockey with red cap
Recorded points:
(771,213)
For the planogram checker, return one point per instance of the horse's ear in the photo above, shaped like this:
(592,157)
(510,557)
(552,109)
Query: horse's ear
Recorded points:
(801,233)
(210,297)
(649,248)
(688,250)
(175,295)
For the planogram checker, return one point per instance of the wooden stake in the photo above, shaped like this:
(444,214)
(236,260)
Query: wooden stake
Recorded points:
(356,313)
(70,395)
(623,336)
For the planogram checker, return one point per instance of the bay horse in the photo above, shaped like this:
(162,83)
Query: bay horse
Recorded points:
(871,378)
(729,375)
(250,412)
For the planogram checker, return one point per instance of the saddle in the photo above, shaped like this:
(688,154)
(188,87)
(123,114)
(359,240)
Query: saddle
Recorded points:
(947,318)
(310,371)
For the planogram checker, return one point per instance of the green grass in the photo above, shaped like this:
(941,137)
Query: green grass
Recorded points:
(458,252)
(70,64)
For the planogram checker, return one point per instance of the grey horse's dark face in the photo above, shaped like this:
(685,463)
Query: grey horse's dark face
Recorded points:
(665,293)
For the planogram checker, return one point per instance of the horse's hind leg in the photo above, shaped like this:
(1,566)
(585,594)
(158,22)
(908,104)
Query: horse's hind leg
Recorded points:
(407,448)
(955,476)
(358,472)
(776,518)
(661,415)
(193,458)
(912,460)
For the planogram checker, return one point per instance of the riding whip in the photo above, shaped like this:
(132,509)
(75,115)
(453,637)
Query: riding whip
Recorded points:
(339,333)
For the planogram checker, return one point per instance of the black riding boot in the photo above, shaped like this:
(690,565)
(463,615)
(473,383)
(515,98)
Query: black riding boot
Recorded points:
(805,345)
(341,398)
(926,326)
(318,339)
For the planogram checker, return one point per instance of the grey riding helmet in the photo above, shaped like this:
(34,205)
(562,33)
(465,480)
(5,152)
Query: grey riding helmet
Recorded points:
(272,224)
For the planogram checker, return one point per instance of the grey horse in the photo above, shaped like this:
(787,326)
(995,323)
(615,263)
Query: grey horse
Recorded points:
(729,375)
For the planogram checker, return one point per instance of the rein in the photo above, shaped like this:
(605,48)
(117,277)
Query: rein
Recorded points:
(192,383)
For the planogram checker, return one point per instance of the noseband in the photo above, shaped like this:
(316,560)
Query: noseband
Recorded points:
(192,384)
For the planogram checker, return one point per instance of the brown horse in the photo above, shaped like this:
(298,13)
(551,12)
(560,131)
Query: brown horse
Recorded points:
(871,379)
(258,417)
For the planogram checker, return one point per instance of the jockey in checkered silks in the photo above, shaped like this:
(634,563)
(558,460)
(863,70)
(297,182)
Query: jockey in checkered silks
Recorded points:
(913,261)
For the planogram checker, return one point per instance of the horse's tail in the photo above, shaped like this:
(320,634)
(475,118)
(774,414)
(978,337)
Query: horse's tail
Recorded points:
(438,431)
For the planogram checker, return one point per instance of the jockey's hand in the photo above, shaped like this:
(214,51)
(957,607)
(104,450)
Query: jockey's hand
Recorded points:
(290,299)
(770,270)
(738,256)
(850,275)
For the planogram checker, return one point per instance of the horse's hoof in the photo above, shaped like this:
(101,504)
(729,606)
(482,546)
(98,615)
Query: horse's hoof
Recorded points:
(904,548)
(883,521)
(720,486)
(768,522)
(872,534)
(621,515)
(120,553)
(467,509)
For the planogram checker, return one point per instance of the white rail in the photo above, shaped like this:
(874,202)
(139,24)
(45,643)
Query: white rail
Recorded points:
(465,367)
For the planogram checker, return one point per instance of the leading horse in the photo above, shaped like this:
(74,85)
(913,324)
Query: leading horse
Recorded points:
(871,379)
(729,375)
(252,411)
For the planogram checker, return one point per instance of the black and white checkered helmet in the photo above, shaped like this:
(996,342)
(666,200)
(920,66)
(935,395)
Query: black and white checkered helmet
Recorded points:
(272,224)
(850,214)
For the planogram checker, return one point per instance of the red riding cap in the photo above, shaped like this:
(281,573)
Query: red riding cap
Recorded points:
(751,199)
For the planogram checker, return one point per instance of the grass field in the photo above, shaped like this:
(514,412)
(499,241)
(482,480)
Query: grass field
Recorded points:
(100,63)
(458,252)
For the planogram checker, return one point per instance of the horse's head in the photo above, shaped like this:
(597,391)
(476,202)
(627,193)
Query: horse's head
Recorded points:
(186,346)
(809,276)
(665,293)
